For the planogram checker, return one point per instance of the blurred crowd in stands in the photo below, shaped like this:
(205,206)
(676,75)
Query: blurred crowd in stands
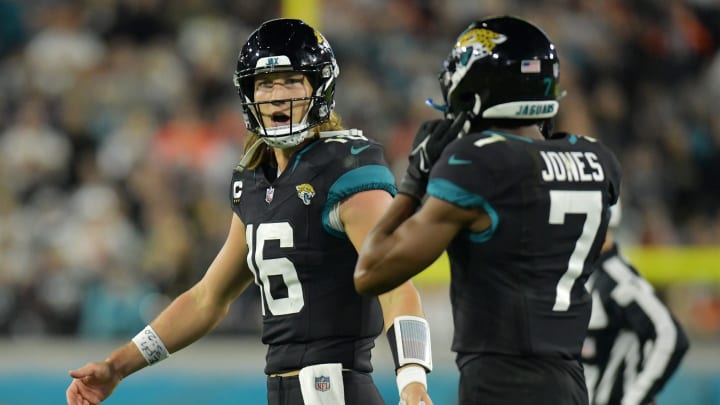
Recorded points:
(120,127)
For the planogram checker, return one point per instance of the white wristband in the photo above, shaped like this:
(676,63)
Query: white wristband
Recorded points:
(150,345)
(409,375)
(412,341)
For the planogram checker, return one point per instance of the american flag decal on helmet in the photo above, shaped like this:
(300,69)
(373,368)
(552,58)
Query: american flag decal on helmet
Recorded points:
(530,66)
(322,383)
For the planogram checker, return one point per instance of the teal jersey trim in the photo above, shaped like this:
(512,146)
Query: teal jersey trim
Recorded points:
(299,155)
(450,192)
(371,177)
(506,135)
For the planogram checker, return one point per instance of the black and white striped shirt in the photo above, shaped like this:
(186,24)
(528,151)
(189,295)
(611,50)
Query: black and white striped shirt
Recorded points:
(634,343)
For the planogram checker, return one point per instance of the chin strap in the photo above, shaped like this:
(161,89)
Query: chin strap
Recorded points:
(546,127)
(248,155)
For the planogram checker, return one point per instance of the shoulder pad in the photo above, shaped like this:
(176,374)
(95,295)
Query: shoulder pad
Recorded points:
(345,133)
(350,137)
(562,135)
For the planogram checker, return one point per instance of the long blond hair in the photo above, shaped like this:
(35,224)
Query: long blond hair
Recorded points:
(257,152)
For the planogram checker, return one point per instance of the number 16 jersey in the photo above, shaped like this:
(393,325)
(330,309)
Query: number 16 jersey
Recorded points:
(301,258)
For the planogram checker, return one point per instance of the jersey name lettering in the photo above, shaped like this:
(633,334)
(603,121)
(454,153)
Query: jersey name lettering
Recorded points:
(571,166)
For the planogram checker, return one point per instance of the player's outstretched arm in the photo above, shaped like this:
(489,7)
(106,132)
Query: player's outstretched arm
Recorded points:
(379,253)
(92,383)
(190,316)
(402,304)
(381,267)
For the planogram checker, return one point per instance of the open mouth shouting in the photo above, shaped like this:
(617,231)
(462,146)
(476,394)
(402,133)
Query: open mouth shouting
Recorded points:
(279,119)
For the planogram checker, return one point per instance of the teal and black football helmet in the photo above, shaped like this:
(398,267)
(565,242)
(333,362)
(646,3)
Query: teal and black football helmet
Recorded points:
(287,45)
(502,68)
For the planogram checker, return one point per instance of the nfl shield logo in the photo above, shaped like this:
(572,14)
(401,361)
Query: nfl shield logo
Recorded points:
(269,194)
(322,383)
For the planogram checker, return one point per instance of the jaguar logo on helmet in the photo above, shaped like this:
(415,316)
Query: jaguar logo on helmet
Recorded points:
(305,192)
(482,40)
(502,68)
(473,44)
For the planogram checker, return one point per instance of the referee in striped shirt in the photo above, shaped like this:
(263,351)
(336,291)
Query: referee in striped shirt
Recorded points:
(634,344)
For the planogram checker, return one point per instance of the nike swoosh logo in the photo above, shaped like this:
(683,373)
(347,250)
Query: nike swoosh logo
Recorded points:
(455,161)
(355,150)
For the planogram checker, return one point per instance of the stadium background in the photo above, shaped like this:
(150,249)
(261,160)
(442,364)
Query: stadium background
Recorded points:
(119,127)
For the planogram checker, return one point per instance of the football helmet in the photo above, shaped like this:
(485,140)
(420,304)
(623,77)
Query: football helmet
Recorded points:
(501,68)
(287,45)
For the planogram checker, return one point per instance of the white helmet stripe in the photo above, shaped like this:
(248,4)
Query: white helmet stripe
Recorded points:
(531,109)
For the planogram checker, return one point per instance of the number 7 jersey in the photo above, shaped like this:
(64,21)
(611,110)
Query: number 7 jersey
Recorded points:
(518,287)
(301,258)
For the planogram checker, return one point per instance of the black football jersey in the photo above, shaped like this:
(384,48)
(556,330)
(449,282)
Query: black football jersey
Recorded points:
(518,287)
(301,258)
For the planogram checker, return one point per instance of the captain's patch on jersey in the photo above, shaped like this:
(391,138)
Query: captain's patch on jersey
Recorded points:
(237,190)
(305,192)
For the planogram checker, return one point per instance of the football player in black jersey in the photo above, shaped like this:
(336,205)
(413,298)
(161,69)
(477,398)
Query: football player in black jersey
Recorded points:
(634,343)
(522,215)
(304,197)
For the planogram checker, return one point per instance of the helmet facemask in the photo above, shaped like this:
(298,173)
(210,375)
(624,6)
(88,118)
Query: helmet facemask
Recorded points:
(295,132)
(286,45)
(283,136)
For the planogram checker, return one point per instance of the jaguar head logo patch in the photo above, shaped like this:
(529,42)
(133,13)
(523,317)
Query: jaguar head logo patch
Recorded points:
(305,192)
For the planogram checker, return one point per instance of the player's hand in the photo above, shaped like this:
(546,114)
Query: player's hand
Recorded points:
(415,394)
(92,383)
(430,140)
